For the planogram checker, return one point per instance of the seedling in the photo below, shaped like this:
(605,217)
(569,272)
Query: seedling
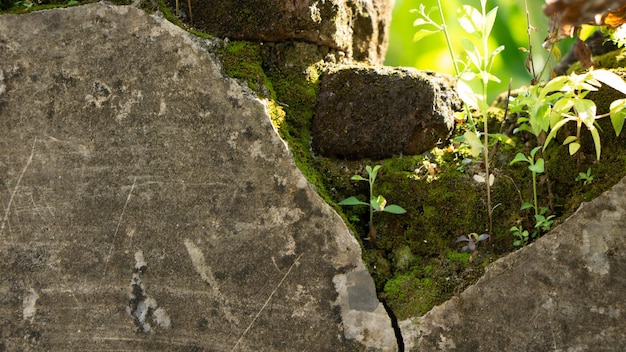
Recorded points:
(522,236)
(586,177)
(536,167)
(377,203)
(543,223)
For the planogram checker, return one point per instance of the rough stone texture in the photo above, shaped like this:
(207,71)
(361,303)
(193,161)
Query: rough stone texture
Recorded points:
(148,204)
(378,112)
(358,28)
(565,292)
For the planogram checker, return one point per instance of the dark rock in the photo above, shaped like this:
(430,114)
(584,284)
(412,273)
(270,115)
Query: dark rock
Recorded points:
(378,112)
(565,292)
(149,204)
(358,28)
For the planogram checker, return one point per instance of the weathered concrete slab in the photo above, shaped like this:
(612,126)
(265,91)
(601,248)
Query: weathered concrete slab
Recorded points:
(148,204)
(565,292)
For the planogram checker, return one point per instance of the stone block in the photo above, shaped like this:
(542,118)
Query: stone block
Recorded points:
(148,204)
(378,112)
(358,28)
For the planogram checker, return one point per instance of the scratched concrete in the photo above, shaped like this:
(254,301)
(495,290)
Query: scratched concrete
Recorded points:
(148,204)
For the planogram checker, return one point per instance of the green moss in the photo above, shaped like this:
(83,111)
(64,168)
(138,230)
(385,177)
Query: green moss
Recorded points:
(459,257)
(408,295)
(615,59)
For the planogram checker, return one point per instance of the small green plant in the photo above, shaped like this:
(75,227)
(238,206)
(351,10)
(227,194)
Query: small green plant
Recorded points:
(521,236)
(563,99)
(474,75)
(586,177)
(545,109)
(26,4)
(536,167)
(376,204)
(543,224)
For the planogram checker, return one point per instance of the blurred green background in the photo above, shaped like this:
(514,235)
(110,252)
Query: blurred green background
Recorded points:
(510,30)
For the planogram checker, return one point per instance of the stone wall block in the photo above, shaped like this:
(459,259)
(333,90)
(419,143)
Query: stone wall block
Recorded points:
(358,28)
(378,112)
(148,204)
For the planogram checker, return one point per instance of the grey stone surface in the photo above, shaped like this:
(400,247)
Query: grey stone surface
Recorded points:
(148,203)
(379,112)
(358,28)
(565,292)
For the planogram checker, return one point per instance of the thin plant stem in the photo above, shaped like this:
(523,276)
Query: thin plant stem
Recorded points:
(535,193)
(372,232)
(448,41)
(531,62)
(485,81)
(457,72)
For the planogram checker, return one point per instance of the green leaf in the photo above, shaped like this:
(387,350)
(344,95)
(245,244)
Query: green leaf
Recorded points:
(497,51)
(421,22)
(423,33)
(569,140)
(586,110)
(562,106)
(519,157)
(573,148)
(556,84)
(372,172)
(527,205)
(470,19)
(489,77)
(378,203)
(596,140)
(358,178)
(618,114)
(610,79)
(553,132)
(537,167)
(474,142)
(472,52)
(540,119)
(490,19)
(352,201)
(394,209)
(465,92)
(501,137)
(533,152)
